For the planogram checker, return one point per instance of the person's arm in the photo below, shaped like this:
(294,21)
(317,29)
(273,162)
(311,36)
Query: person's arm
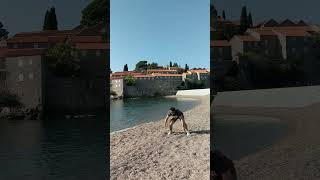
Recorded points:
(166,120)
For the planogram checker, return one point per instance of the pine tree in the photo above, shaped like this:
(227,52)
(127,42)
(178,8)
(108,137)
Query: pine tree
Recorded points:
(223,15)
(244,20)
(250,23)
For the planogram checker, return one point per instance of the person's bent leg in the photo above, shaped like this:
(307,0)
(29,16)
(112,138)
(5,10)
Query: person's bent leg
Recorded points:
(185,126)
(172,121)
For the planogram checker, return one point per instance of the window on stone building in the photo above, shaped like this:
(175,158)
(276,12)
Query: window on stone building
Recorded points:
(15,46)
(20,63)
(20,77)
(293,50)
(84,52)
(31,76)
(98,53)
(35,45)
(220,50)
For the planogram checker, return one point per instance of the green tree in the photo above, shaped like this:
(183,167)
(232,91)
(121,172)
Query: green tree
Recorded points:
(63,59)
(186,68)
(250,22)
(46,21)
(142,66)
(50,20)
(96,12)
(224,15)
(53,19)
(153,65)
(170,64)
(130,80)
(175,65)
(3,32)
(125,67)
(244,20)
(8,99)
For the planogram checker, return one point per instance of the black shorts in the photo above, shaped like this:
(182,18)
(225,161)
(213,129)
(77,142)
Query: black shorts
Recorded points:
(175,118)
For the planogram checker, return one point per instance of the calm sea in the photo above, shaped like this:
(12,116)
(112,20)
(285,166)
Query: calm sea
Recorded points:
(131,112)
(240,135)
(53,149)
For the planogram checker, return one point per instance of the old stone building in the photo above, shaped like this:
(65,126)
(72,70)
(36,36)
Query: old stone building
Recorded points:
(29,76)
(3,71)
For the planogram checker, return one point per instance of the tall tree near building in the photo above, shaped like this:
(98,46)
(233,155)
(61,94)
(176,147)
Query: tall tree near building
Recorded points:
(95,13)
(53,19)
(3,32)
(50,20)
(224,15)
(213,11)
(170,64)
(153,65)
(175,65)
(244,20)
(250,22)
(142,66)
(186,68)
(46,21)
(125,67)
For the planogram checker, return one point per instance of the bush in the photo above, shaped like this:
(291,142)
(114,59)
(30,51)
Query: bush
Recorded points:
(63,60)
(8,99)
(130,80)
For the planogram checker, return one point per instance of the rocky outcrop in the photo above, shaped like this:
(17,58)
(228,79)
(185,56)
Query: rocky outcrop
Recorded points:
(20,114)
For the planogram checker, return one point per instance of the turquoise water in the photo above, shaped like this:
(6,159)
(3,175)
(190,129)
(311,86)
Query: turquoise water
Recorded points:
(53,149)
(131,112)
(240,135)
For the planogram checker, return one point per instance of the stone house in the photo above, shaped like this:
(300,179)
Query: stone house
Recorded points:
(117,85)
(28,73)
(243,44)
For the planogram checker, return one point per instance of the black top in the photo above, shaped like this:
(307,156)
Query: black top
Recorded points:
(176,112)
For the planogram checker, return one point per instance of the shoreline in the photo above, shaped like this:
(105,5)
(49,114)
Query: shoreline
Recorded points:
(196,98)
(146,151)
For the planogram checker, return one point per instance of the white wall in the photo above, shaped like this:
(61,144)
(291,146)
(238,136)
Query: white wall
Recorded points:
(194,92)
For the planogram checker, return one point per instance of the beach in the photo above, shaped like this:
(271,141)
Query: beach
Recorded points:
(295,155)
(147,152)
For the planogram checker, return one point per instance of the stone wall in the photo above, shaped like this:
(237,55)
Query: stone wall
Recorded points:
(154,87)
(24,78)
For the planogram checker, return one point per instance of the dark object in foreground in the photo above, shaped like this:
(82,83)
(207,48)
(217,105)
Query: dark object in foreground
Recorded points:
(222,166)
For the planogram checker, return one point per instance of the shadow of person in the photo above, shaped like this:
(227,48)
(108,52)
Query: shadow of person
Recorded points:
(200,132)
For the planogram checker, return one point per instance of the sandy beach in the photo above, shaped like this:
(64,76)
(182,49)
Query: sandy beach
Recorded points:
(147,152)
(296,155)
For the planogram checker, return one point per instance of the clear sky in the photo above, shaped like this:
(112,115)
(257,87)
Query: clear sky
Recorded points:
(28,15)
(159,31)
(307,10)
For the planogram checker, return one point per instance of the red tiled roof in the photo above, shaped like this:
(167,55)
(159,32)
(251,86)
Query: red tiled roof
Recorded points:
(262,32)
(247,38)
(92,46)
(159,74)
(142,75)
(115,78)
(293,33)
(28,39)
(161,70)
(201,71)
(87,39)
(219,43)
(24,52)
(3,52)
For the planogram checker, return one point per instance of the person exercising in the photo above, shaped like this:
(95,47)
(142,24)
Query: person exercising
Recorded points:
(172,116)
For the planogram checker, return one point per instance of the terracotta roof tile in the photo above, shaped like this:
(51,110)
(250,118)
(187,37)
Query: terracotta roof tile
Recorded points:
(25,52)
(294,33)
(92,46)
(247,38)
(220,43)
(173,75)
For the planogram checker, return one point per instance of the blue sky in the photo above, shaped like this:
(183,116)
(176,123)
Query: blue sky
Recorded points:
(22,16)
(307,10)
(159,31)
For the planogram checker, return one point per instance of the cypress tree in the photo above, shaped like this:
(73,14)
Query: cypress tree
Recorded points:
(53,19)
(224,15)
(170,64)
(3,32)
(46,21)
(125,68)
(250,23)
(243,20)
